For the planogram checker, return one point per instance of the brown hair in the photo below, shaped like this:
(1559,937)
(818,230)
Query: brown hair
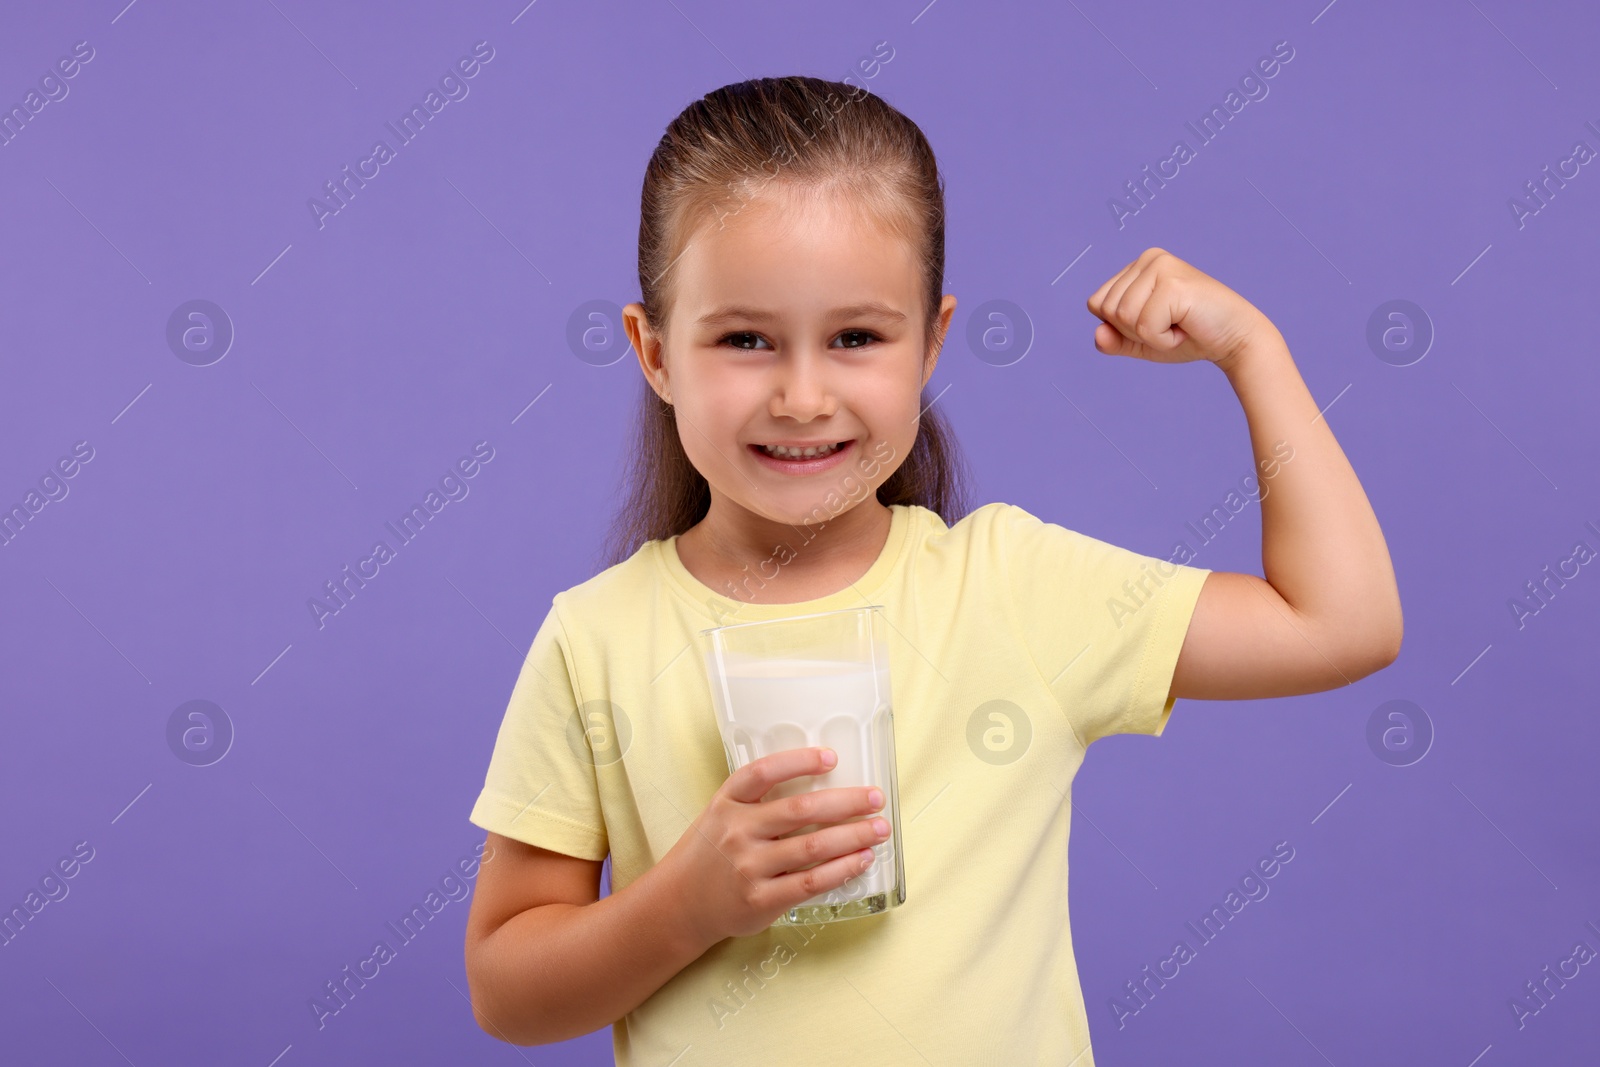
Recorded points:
(720,150)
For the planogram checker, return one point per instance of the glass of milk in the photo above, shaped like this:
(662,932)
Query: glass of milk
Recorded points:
(818,680)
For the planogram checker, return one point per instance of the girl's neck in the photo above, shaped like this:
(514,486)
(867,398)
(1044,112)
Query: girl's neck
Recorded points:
(796,562)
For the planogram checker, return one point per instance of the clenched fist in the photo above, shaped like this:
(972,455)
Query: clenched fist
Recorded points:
(1160,308)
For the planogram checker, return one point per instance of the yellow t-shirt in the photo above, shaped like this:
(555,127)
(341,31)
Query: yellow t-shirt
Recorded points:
(1013,644)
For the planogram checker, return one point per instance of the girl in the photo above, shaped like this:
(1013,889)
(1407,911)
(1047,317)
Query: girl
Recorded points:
(791,255)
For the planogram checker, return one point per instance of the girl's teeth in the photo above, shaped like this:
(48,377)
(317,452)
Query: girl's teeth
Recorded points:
(783,451)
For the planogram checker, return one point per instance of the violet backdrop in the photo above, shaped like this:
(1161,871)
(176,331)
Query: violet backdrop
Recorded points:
(347,359)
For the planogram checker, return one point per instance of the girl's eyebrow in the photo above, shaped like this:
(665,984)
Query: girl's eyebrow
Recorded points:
(735,312)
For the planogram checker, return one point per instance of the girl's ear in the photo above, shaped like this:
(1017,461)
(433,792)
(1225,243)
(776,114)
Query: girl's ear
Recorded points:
(647,347)
(947,309)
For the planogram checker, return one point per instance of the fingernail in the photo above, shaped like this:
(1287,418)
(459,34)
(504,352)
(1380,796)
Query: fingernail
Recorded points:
(880,826)
(829,757)
(875,797)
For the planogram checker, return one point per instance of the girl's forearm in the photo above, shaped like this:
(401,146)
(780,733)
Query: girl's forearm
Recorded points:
(559,971)
(1321,546)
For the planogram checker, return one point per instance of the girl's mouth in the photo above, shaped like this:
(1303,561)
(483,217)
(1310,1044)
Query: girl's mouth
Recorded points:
(823,457)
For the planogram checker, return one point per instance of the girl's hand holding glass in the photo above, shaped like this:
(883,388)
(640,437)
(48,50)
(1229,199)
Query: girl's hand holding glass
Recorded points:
(737,869)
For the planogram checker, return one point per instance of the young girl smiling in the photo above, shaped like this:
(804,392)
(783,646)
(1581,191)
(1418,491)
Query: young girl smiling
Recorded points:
(791,260)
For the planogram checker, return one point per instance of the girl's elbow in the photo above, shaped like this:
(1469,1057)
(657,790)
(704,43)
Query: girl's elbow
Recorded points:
(1393,632)
(1381,646)
(499,1027)
(1392,651)
(493,1016)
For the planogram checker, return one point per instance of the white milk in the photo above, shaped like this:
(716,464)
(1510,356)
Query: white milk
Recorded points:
(777,704)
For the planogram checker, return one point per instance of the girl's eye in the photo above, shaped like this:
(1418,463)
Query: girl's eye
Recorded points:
(739,340)
(865,337)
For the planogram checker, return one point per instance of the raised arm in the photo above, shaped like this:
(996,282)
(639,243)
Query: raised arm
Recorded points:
(1327,612)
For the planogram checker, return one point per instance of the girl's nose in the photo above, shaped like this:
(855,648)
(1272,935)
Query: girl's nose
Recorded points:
(802,389)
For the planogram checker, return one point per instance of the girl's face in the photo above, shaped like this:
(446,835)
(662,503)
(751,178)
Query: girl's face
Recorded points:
(797,322)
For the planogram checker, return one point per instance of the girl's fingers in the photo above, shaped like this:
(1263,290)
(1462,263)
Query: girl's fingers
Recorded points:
(775,818)
(1138,303)
(1117,297)
(1154,323)
(803,885)
(1097,301)
(1113,343)
(758,777)
(1111,294)
(826,844)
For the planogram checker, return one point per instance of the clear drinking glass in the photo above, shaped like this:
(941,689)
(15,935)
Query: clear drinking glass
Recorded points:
(820,680)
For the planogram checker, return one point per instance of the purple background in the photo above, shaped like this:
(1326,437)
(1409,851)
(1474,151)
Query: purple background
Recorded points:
(431,311)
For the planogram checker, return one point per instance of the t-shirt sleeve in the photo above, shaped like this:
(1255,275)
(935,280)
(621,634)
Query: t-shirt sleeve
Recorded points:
(1103,624)
(540,789)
